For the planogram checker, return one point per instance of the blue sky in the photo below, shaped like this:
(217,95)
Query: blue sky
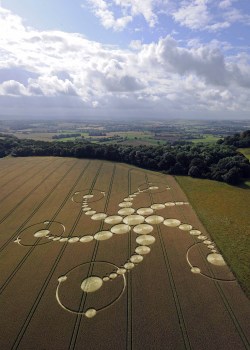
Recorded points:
(143,58)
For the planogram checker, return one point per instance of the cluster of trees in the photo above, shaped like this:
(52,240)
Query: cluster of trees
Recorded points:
(65,136)
(115,138)
(219,162)
(7,144)
(241,140)
(97,133)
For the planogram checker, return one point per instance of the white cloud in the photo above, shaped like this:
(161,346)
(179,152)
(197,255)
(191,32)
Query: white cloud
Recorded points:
(12,88)
(225,4)
(57,73)
(107,17)
(233,15)
(135,44)
(193,14)
(200,15)
(52,86)
(105,11)
(140,7)
(204,61)
(217,26)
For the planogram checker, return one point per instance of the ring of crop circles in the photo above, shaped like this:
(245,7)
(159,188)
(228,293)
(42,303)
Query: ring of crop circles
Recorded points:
(97,195)
(41,233)
(64,278)
(197,270)
(146,186)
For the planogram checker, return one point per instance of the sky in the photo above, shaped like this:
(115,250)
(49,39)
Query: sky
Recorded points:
(154,59)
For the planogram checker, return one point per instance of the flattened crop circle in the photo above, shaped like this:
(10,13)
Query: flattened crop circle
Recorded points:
(91,285)
(94,196)
(41,233)
(155,187)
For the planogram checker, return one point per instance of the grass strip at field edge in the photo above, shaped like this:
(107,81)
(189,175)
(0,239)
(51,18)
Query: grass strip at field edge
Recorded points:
(223,210)
(224,299)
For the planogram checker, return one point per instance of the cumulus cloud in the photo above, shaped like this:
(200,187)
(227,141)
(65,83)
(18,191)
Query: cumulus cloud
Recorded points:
(135,44)
(202,15)
(207,62)
(217,26)
(199,15)
(102,11)
(146,8)
(16,73)
(193,14)
(233,15)
(12,88)
(54,73)
(105,11)
(225,4)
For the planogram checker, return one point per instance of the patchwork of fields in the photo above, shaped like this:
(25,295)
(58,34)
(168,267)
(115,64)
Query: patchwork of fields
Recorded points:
(101,255)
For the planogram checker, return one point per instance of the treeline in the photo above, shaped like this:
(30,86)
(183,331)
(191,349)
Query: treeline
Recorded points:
(219,162)
(239,140)
(65,136)
(97,133)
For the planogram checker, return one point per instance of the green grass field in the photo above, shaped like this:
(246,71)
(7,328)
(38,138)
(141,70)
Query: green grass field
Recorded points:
(245,151)
(208,138)
(224,211)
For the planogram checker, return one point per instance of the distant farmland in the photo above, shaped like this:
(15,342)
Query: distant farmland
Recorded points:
(101,255)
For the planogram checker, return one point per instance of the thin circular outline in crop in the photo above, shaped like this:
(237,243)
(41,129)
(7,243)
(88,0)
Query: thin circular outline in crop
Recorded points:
(151,184)
(87,192)
(45,222)
(63,278)
(200,273)
(143,239)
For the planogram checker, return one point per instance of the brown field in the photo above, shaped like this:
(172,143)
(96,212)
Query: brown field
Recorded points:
(46,301)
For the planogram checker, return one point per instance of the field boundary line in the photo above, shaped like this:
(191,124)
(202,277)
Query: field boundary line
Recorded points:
(217,284)
(226,303)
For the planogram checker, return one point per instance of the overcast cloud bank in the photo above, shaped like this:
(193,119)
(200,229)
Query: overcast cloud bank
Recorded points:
(46,73)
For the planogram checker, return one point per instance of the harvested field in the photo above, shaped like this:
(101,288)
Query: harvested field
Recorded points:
(101,255)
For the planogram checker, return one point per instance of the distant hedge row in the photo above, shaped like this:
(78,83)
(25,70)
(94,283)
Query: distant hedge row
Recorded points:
(219,161)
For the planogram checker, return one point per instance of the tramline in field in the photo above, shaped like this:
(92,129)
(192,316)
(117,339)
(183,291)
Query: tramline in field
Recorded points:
(141,221)
(104,256)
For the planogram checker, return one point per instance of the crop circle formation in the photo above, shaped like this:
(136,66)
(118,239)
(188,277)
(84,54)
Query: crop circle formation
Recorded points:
(140,222)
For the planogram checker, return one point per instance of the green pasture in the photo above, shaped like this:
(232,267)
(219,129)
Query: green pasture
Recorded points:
(224,211)
(245,151)
(208,138)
